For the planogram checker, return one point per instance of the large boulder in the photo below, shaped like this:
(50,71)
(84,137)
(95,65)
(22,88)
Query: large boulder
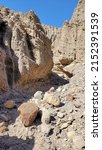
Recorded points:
(28,113)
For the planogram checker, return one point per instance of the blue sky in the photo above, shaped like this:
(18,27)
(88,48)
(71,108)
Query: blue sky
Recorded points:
(51,12)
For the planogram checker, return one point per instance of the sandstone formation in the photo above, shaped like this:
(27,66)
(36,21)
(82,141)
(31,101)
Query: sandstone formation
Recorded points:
(68,41)
(25,51)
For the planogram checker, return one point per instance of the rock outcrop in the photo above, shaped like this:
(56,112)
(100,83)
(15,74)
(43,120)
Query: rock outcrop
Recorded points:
(25,50)
(68,41)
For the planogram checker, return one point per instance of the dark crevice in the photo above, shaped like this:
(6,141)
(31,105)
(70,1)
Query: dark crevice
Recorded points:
(30,47)
(9,71)
(3,25)
(8,60)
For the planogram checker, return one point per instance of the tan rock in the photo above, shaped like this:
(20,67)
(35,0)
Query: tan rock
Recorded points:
(46,116)
(60,115)
(71,134)
(64,125)
(28,113)
(51,99)
(52,89)
(78,142)
(3,127)
(9,104)
(69,97)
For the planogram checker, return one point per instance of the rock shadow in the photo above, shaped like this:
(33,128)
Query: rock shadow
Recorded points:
(13,143)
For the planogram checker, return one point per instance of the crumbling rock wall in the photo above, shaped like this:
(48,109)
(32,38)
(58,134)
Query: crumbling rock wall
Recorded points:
(68,43)
(25,50)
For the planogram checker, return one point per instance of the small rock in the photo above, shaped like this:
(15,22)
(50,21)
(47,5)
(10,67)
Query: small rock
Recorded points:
(78,142)
(5,117)
(46,116)
(70,119)
(3,127)
(38,102)
(69,97)
(64,90)
(52,89)
(59,89)
(71,134)
(52,99)
(76,90)
(58,122)
(64,125)
(57,131)
(9,104)
(2,124)
(77,104)
(39,95)
(69,68)
(28,113)
(60,115)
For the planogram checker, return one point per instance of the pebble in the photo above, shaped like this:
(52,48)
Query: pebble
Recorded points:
(64,90)
(46,116)
(57,130)
(9,104)
(60,115)
(52,89)
(52,99)
(5,117)
(64,125)
(39,95)
(77,104)
(69,97)
(78,142)
(3,129)
(71,134)
(59,89)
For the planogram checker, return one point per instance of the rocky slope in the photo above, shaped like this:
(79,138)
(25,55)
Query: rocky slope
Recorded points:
(38,114)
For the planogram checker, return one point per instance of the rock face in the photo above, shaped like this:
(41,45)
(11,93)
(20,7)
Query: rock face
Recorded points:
(68,41)
(25,51)
(3,76)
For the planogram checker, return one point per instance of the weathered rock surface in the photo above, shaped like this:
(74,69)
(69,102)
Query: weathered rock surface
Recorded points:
(25,51)
(3,76)
(68,42)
